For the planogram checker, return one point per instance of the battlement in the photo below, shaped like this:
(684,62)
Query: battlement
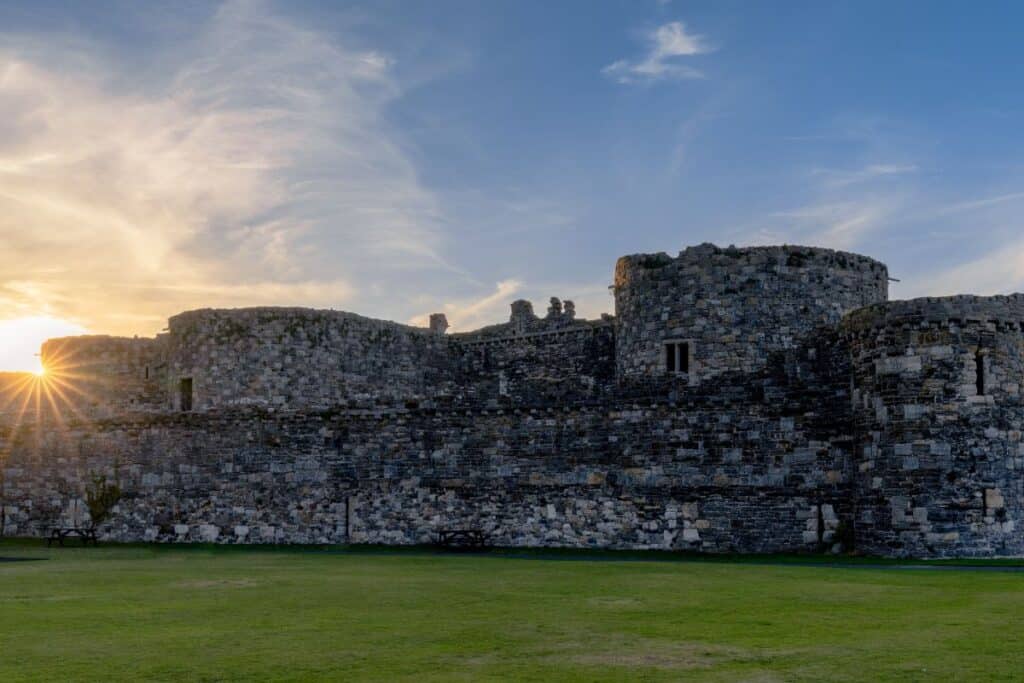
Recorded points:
(523,322)
(688,319)
(760,399)
(1003,311)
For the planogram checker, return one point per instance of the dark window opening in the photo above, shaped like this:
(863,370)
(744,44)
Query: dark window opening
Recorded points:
(186,394)
(147,372)
(980,367)
(677,357)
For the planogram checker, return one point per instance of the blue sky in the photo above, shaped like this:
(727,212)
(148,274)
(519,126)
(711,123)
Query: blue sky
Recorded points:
(400,158)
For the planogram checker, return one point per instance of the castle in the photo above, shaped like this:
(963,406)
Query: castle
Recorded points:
(766,399)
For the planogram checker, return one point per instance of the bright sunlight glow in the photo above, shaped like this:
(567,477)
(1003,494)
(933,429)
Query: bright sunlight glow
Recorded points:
(21,338)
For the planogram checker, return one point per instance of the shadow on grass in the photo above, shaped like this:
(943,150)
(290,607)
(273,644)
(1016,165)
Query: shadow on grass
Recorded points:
(545,554)
(21,559)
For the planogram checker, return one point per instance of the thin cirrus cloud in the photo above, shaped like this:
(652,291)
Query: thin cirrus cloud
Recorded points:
(472,313)
(870,173)
(591,300)
(835,223)
(254,165)
(667,44)
(1000,271)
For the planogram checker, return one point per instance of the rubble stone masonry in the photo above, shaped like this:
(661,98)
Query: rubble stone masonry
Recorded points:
(763,399)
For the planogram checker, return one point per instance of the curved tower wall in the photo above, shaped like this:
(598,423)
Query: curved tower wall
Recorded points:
(939,415)
(298,358)
(733,307)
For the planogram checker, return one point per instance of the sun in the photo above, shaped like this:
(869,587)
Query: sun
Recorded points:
(20,339)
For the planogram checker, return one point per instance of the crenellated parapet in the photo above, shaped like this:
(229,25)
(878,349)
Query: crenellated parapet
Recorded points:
(997,312)
(762,399)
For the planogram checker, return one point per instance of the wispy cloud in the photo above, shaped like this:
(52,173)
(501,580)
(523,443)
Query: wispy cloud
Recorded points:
(254,167)
(666,45)
(834,224)
(469,314)
(975,204)
(850,205)
(1000,271)
(837,178)
(591,299)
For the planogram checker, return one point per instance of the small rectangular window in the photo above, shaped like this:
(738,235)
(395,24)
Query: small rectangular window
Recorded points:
(677,358)
(980,367)
(186,394)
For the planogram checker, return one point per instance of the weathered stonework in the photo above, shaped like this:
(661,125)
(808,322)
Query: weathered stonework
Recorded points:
(736,306)
(803,412)
(937,401)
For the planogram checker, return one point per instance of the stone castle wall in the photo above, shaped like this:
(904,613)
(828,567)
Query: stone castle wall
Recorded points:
(299,358)
(557,362)
(813,413)
(717,473)
(734,307)
(938,403)
(14,395)
(102,376)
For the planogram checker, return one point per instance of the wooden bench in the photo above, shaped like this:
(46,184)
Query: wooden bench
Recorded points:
(462,538)
(58,534)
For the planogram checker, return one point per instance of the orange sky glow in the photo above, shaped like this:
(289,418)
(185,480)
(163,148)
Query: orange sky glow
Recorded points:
(21,338)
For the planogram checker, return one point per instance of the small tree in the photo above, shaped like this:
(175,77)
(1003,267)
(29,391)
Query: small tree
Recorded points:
(100,497)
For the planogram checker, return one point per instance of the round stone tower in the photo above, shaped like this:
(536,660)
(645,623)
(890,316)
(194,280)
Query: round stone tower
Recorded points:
(939,414)
(711,310)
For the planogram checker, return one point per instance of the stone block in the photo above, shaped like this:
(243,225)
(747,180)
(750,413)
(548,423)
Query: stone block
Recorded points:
(898,365)
(994,499)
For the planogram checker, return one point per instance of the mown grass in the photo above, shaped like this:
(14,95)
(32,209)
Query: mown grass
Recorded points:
(206,614)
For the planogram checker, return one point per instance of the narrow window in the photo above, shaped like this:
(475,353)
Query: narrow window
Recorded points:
(186,394)
(979,364)
(147,372)
(677,357)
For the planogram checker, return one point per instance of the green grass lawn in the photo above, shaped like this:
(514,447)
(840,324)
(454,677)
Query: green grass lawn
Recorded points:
(172,613)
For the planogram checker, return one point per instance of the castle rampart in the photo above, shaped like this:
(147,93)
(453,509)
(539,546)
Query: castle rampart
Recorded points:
(744,400)
(663,475)
(299,358)
(102,376)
